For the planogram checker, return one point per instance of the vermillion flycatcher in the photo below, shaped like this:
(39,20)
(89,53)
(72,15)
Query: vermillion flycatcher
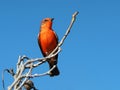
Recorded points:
(48,40)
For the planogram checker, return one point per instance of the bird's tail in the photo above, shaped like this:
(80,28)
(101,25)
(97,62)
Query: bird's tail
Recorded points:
(52,62)
(54,72)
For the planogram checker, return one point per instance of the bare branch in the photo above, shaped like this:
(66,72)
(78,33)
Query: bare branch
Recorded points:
(69,28)
(67,32)
(21,77)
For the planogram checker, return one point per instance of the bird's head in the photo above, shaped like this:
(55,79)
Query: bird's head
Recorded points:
(47,23)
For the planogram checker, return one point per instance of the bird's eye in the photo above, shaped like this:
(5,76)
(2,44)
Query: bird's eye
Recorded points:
(45,20)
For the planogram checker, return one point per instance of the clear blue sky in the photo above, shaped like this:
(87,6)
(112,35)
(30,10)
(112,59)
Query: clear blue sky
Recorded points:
(90,57)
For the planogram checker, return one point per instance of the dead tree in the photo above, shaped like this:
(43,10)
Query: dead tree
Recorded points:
(22,77)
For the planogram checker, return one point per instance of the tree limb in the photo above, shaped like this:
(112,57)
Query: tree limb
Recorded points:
(26,63)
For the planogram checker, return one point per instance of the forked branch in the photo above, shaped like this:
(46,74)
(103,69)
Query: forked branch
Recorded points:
(21,77)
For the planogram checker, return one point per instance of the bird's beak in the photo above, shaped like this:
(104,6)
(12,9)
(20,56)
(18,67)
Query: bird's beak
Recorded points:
(52,19)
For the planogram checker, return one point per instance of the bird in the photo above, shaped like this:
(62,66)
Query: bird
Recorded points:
(48,41)
(28,85)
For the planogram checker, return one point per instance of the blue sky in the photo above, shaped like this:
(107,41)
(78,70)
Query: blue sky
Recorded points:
(90,57)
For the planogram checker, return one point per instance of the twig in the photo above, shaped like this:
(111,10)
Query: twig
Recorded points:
(67,32)
(39,75)
(26,78)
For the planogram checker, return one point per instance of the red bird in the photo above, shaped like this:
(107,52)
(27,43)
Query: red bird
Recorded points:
(48,40)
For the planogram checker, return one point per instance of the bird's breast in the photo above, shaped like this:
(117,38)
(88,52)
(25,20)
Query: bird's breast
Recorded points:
(48,41)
